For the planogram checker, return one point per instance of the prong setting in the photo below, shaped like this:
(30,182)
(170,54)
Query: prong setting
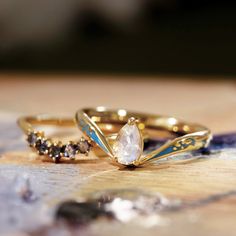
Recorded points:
(132,121)
(56,150)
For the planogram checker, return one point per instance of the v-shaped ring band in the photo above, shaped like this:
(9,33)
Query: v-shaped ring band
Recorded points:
(128,146)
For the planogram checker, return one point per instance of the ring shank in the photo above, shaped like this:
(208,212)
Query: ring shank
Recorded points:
(26,123)
(110,121)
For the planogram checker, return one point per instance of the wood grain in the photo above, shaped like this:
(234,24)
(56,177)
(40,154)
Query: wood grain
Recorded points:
(210,102)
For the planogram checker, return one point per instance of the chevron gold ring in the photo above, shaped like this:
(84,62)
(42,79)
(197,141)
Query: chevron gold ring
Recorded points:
(55,149)
(129,129)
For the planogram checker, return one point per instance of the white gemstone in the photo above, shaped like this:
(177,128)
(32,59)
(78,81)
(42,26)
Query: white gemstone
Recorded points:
(128,145)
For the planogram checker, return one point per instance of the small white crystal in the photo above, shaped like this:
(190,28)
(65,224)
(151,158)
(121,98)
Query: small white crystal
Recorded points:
(128,145)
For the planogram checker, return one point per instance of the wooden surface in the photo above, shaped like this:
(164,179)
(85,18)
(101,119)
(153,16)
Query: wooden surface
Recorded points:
(209,102)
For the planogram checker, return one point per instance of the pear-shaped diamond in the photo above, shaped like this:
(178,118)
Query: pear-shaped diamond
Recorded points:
(128,145)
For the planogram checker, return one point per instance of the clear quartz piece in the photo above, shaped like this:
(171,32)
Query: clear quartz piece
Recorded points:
(128,145)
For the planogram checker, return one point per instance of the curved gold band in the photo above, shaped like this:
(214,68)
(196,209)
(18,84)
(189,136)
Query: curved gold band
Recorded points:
(46,146)
(99,122)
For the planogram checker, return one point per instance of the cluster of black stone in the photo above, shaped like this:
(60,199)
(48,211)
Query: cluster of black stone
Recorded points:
(57,150)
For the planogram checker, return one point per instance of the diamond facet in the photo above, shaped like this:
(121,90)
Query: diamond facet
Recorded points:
(128,145)
(55,152)
(42,146)
(84,146)
(70,150)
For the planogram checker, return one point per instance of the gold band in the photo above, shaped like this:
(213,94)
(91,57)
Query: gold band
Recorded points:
(46,146)
(99,122)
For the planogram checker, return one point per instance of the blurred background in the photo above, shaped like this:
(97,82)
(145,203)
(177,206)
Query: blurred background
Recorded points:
(119,36)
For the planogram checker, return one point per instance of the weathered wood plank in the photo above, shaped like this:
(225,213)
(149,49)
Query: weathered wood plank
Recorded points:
(211,103)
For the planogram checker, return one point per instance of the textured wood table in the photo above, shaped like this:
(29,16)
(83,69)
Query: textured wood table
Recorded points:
(210,102)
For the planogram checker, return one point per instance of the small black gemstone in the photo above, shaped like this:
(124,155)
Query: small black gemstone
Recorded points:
(84,146)
(42,146)
(63,150)
(55,151)
(76,147)
(32,139)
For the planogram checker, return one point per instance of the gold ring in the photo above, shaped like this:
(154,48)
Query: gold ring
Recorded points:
(127,148)
(46,146)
